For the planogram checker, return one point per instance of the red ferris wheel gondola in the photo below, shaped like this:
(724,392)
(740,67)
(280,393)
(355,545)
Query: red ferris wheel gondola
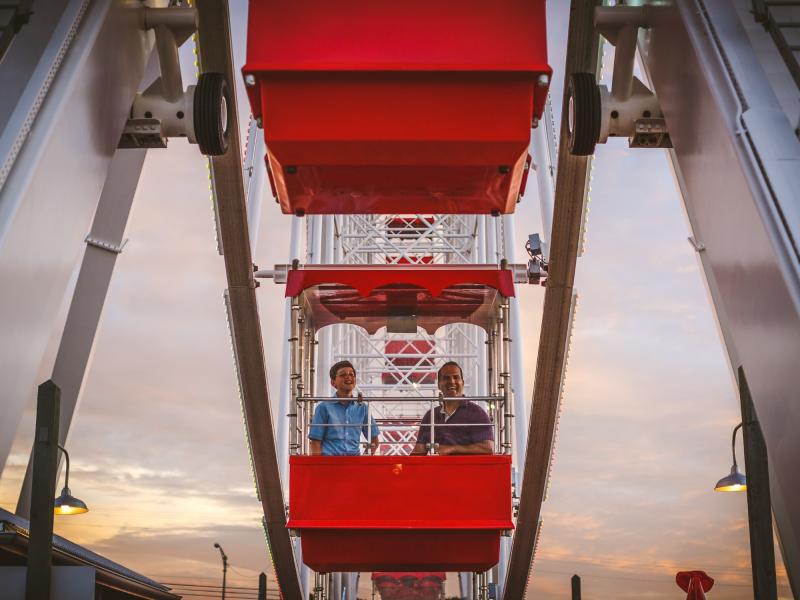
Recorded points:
(370,106)
(399,513)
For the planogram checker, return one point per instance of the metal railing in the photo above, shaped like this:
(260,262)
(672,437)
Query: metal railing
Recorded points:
(499,415)
(778,25)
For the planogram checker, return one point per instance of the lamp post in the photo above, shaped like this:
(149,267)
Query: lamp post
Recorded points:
(224,567)
(43,484)
(759,505)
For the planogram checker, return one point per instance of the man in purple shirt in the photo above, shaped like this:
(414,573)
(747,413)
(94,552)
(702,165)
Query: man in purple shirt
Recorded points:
(472,433)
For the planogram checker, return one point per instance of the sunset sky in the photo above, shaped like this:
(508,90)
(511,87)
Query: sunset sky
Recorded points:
(158,447)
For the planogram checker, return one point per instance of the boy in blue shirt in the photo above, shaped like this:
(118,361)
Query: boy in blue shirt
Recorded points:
(329,433)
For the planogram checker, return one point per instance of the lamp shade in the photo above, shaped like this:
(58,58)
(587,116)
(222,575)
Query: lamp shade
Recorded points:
(733,482)
(67,504)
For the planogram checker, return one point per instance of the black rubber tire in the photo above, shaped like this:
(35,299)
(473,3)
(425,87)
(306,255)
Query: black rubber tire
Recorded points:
(212,113)
(583,118)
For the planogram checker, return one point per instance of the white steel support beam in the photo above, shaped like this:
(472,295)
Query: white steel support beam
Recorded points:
(736,161)
(255,171)
(62,116)
(103,244)
(282,421)
(544,165)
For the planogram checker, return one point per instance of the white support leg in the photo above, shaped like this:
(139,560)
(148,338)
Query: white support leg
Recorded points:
(55,154)
(465,584)
(281,421)
(544,165)
(103,244)
(255,171)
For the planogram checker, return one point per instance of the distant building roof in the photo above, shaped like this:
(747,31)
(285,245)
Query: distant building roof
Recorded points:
(13,524)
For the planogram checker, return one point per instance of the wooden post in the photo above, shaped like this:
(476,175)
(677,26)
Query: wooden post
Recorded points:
(759,507)
(576,587)
(45,462)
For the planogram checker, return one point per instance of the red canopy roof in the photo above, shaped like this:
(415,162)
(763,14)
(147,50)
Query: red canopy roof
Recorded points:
(401,297)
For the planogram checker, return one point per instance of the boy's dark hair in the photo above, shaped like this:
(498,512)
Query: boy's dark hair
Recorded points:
(340,365)
(449,363)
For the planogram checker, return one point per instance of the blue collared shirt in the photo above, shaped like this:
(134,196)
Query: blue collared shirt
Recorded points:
(341,441)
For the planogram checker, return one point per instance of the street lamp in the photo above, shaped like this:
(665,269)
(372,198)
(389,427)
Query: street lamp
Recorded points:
(734,481)
(224,567)
(66,503)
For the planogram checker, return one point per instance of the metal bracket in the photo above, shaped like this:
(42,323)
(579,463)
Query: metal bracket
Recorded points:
(537,266)
(629,109)
(698,246)
(142,133)
(650,133)
(103,245)
(164,109)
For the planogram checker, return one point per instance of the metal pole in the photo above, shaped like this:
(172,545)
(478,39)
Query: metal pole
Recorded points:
(287,384)
(224,567)
(576,587)
(544,154)
(432,449)
(490,373)
(759,510)
(301,382)
(296,386)
(224,574)
(262,586)
(45,459)
(254,174)
(508,380)
(517,393)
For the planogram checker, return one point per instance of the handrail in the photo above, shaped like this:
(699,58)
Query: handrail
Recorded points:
(500,421)
(305,399)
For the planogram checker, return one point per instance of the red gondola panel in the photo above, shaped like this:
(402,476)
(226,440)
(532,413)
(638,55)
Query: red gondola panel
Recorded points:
(400,513)
(409,586)
(422,106)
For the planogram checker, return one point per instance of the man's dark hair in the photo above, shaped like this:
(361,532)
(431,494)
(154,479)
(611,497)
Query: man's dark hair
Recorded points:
(449,363)
(341,365)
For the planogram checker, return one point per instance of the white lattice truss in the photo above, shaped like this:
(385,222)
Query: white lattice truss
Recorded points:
(376,239)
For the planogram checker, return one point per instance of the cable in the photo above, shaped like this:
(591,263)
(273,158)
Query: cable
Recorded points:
(202,585)
(610,562)
(235,570)
(617,577)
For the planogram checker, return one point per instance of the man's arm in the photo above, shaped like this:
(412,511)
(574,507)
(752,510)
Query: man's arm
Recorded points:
(315,447)
(423,435)
(484,447)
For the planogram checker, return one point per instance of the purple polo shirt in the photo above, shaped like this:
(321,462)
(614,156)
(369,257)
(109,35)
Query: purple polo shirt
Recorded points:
(467,413)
